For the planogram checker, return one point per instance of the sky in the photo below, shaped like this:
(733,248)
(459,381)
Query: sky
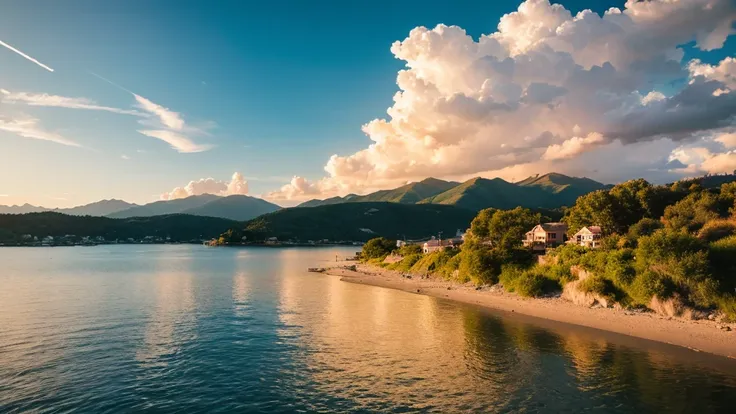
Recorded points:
(293,100)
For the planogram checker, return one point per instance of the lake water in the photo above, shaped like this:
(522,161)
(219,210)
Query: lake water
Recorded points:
(196,329)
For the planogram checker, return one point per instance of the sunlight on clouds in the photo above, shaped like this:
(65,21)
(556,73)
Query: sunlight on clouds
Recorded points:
(237,185)
(542,92)
(31,128)
(176,141)
(56,101)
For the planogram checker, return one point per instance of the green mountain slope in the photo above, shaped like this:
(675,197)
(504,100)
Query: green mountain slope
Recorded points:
(410,193)
(234,207)
(479,193)
(567,189)
(179,227)
(356,222)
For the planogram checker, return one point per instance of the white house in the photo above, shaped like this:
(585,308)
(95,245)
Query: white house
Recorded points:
(588,237)
(546,235)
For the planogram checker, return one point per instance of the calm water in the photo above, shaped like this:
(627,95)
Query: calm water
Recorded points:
(194,329)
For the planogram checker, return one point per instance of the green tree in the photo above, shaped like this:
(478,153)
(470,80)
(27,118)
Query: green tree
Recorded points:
(507,227)
(378,247)
(692,212)
(481,224)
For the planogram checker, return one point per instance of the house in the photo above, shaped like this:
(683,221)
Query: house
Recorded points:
(588,237)
(400,243)
(545,235)
(434,245)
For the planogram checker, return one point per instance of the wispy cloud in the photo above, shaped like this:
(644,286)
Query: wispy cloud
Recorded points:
(168,117)
(25,56)
(125,157)
(57,101)
(177,141)
(30,128)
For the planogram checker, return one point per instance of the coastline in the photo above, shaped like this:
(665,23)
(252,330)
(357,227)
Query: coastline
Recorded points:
(698,335)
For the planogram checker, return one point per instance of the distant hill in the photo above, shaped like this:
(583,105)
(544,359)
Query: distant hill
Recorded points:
(357,222)
(567,189)
(547,191)
(411,193)
(234,207)
(164,207)
(99,208)
(711,181)
(179,227)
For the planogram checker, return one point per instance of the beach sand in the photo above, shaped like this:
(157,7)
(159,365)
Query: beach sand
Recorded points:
(699,335)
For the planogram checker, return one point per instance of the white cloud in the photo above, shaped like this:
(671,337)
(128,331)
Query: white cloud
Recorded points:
(170,127)
(31,128)
(25,56)
(572,147)
(57,101)
(125,157)
(177,141)
(237,185)
(545,90)
(168,117)
(724,71)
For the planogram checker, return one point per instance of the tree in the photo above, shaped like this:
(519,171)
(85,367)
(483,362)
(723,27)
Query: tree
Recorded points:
(692,212)
(481,224)
(507,227)
(377,248)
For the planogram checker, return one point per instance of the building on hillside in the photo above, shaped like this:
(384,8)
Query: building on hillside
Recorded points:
(400,243)
(588,237)
(434,245)
(545,235)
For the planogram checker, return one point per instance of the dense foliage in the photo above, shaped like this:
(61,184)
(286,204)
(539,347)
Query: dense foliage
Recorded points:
(177,227)
(673,242)
(378,248)
(354,222)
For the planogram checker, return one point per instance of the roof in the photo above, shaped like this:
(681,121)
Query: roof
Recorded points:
(554,226)
(591,229)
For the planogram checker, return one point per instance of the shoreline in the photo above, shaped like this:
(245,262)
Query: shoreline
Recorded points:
(697,335)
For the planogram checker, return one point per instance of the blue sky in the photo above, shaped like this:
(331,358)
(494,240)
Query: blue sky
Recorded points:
(275,88)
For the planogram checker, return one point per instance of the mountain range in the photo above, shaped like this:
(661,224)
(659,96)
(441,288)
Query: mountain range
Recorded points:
(235,207)
(551,190)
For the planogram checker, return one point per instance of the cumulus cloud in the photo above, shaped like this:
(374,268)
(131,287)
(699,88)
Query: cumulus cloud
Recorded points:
(237,185)
(31,128)
(544,90)
(3,44)
(57,101)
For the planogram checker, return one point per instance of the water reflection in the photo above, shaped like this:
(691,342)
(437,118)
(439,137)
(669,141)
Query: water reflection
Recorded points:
(184,328)
(172,322)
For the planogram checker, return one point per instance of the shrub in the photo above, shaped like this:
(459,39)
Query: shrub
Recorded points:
(532,283)
(479,265)
(715,230)
(619,267)
(645,227)
(409,249)
(649,284)
(406,263)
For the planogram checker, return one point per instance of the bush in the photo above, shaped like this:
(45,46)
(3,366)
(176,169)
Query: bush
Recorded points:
(479,265)
(649,284)
(406,263)
(619,267)
(378,248)
(531,284)
(645,227)
(409,249)
(715,230)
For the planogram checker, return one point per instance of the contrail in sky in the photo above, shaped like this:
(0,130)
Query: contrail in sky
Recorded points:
(110,82)
(25,56)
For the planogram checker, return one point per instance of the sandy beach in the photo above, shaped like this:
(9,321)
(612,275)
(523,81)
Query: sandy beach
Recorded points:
(700,335)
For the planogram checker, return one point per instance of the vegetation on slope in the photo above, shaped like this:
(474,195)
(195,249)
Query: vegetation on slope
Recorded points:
(353,222)
(177,227)
(673,243)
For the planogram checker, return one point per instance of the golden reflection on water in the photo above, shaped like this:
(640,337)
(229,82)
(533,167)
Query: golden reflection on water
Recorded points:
(172,322)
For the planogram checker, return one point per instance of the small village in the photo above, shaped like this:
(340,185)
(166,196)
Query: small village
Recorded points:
(539,239)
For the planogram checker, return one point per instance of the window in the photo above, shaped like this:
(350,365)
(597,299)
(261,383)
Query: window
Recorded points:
(552,235)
